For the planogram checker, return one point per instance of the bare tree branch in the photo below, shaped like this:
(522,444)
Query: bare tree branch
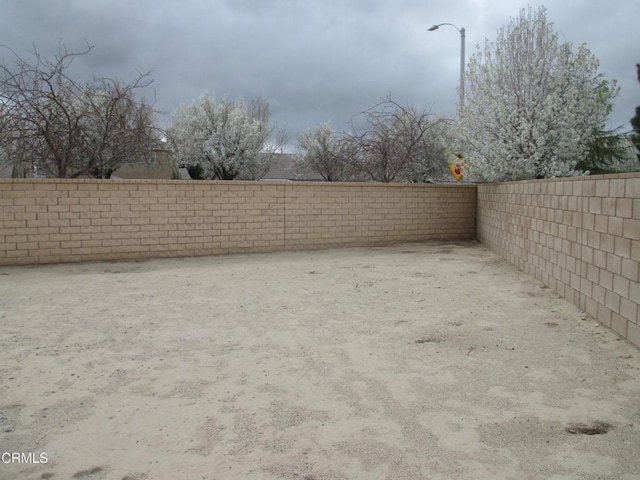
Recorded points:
(63,128)
(394,140)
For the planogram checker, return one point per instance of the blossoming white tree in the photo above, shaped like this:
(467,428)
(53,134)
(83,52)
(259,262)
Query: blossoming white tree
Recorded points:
(532,104)
(227,139)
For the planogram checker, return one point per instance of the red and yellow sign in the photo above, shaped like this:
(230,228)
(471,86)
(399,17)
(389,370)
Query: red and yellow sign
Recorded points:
(456,167)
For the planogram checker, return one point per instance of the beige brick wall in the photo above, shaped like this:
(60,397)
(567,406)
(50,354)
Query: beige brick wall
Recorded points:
(48,221)
(579,236)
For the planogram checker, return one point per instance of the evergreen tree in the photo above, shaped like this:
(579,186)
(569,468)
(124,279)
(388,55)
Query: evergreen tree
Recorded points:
(635,122)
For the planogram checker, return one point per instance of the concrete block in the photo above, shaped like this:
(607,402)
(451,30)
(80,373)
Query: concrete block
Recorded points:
(633,333)
(619,324)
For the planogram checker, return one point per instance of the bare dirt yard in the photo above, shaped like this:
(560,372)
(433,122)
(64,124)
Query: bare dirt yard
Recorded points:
(415,361)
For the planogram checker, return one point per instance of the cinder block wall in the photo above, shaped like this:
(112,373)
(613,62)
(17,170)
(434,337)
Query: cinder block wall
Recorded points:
(579,236)
(333,214)
(47,221)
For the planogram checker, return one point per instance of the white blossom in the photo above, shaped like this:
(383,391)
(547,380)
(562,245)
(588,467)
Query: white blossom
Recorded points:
(224,138)
(532,103)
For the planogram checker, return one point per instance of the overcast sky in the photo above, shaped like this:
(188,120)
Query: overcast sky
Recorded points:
(313,60)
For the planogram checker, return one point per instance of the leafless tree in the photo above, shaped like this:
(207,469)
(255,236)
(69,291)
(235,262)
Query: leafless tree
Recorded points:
(65,128)
(394,140)
(329,153)
(434,153)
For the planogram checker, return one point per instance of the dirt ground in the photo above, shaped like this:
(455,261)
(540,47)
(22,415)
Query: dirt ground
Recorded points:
(416,361)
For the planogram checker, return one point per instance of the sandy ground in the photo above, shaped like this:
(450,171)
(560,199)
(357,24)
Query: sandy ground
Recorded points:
(417,361)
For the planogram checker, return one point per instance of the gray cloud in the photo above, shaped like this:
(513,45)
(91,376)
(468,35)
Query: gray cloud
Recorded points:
(312,60)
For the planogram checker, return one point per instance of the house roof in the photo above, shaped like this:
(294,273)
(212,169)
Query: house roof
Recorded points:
(160,167)
(284,168)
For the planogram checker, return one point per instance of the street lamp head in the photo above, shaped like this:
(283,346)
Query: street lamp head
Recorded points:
(436,27)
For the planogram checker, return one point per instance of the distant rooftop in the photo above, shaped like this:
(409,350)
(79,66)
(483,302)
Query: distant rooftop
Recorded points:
(284,168)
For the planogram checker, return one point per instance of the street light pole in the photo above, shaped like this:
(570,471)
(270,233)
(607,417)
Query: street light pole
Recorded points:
(456,168)
(462,42)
